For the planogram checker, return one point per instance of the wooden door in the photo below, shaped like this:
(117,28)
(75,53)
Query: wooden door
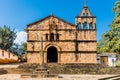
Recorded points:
(104,60)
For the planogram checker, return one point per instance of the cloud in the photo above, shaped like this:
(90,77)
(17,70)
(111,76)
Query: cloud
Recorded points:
(21,37)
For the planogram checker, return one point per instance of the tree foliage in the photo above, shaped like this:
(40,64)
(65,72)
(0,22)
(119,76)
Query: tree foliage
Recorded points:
(18,49)
(7,37)
(110,41)
(24,47)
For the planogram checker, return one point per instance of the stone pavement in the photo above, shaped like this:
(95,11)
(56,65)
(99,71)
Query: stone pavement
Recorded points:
(14,65)
(64,77)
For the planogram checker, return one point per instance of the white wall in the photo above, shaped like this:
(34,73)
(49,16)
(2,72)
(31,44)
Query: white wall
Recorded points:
(7,55)
(98,61)
(111,61)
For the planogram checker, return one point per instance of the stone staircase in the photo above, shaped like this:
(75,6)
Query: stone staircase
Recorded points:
(73,68)
(40,72)
(55,69)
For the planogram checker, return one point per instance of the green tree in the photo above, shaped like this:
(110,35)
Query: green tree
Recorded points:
(110,41)
(7,37)
(23,56)
(24,47)
(18,49)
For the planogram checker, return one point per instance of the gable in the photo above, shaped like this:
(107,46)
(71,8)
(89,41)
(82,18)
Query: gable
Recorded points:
(85,12)
(47,21)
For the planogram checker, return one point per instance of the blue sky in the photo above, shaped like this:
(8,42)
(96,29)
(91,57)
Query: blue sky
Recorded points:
(18,13)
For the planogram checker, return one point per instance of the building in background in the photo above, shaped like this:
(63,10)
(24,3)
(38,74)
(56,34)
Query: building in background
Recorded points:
(7,57)
(63,42)
(107,59)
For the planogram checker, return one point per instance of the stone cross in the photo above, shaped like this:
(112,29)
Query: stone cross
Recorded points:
(85,2)
(41,51)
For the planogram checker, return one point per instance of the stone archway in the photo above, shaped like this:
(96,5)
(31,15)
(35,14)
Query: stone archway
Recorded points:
(52,55)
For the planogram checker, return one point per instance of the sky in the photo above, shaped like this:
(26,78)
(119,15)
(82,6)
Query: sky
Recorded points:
(18,13)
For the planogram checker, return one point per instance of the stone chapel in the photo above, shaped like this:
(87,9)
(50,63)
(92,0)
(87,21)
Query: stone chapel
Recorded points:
(61,41)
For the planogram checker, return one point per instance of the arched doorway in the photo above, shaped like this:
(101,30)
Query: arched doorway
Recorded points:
(52,54)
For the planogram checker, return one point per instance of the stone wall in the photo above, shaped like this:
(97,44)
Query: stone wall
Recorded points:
(73,46)
(78,58)
(65,58)
(34,58)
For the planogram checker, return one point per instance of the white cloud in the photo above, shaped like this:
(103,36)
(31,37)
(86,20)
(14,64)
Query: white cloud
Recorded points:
(21,37)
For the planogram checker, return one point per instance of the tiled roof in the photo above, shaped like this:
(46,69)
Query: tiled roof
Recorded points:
(107,54)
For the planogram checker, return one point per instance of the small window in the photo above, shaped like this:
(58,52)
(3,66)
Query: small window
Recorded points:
(46,37)
(8,55)
(91,26)
(98,59)
(57,37)
(51,37)
(83,14)
(79,26)
(85,26)
(2,53)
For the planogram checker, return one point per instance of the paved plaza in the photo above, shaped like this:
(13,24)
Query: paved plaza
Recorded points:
(15,65)
(64,77)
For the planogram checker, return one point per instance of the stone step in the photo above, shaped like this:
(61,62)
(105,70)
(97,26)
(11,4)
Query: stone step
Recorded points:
(52,64)
(117,78)
(41,69)
(28,76)
(40,72)
(39,76)
(111,78)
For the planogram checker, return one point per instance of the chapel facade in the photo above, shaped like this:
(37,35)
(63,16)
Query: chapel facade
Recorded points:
(61,41)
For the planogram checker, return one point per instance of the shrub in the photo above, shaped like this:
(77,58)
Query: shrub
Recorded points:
(118,64)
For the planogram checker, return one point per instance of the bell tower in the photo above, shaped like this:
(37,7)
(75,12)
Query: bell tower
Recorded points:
(86,30)
(85,20)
